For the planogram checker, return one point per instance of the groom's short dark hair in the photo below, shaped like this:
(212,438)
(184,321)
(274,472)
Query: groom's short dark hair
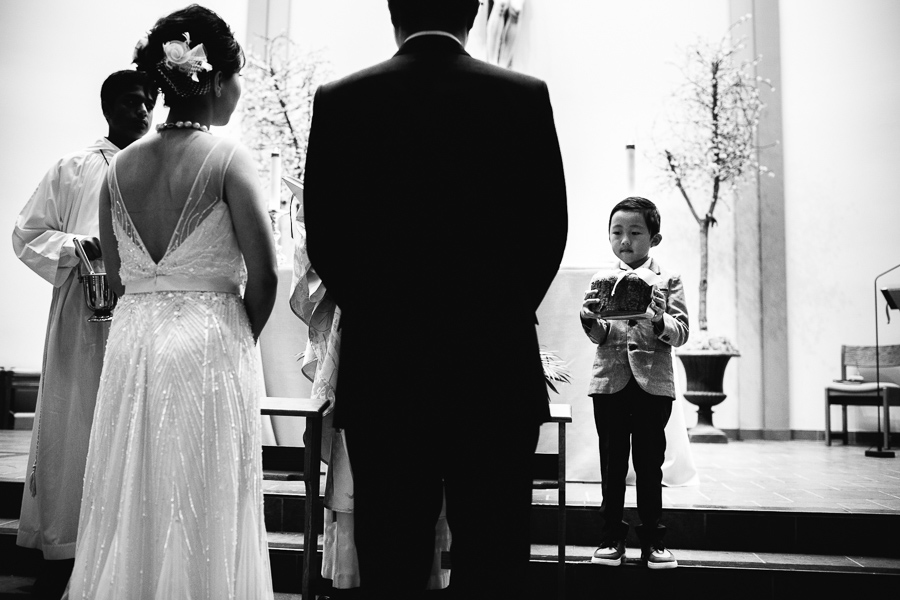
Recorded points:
(433,14)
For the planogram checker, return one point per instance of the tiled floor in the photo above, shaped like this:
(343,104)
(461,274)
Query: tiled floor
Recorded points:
(789,476)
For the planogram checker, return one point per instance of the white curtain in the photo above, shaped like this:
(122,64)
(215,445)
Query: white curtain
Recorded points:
(502,25)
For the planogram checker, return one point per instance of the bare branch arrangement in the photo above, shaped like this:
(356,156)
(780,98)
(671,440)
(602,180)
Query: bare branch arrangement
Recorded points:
(712,123)
(279,86)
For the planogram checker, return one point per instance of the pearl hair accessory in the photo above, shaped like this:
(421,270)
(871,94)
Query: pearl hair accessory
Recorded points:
(182,125)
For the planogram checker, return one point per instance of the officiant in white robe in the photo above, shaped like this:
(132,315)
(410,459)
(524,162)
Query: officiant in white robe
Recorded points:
(64,207)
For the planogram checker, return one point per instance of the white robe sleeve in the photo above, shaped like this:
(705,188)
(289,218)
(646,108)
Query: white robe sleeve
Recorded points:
(39,238)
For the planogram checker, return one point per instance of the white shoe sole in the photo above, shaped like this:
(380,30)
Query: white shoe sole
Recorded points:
(606,562)
(663,565)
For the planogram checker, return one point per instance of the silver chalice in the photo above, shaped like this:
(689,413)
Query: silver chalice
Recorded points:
(97,294)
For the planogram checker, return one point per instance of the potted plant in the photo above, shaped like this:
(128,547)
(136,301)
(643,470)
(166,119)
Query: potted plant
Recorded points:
(712,124)
(555,369)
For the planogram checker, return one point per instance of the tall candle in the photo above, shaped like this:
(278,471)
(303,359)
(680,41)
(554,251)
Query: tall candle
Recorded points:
(629,153)
(275,181)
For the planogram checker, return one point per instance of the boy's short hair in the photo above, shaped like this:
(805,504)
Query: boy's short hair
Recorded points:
(122,81)
(643,206)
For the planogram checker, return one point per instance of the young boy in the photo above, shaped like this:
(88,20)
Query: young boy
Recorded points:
(633,388)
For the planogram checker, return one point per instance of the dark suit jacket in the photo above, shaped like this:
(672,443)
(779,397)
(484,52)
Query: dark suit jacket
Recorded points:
(435,208)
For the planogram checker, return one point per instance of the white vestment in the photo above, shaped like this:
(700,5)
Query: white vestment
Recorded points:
(62,208)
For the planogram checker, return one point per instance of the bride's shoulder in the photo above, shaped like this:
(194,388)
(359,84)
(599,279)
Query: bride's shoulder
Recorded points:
(235,153)
(238,166)
(138,153)
(225,142)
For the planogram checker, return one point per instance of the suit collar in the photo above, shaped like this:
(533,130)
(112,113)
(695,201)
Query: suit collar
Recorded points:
(431,42)
(437,32)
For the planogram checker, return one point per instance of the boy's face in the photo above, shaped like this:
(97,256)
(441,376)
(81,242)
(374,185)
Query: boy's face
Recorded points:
(630,239)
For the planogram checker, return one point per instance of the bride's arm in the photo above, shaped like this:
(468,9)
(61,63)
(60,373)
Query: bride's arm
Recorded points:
(253,229)
(109,247)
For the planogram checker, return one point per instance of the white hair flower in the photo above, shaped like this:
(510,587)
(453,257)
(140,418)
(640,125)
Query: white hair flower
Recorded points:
(180,56)
(141,44)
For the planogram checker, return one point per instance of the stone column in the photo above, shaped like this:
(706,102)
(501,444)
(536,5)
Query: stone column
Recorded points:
(266,19)
(760,245)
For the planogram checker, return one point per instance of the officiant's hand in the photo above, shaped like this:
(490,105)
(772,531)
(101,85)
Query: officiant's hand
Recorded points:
(658,305)
(91,248)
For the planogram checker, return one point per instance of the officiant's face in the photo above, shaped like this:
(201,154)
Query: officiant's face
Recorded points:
(129,115)
(630,238)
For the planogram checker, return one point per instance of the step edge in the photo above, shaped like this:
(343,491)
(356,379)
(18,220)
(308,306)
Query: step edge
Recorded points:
(580,555)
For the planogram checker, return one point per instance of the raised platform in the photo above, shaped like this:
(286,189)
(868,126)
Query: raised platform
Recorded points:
(767,520)
(752,475)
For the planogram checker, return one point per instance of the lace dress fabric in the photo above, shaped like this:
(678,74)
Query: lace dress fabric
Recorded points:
(173,504)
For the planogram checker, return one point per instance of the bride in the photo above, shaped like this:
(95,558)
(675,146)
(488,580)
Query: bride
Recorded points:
(173,505)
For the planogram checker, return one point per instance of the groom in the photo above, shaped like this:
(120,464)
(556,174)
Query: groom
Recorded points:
(435,210)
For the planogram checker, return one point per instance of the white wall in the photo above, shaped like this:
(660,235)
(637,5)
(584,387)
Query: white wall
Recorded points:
(353,34)
(605,62)
(54,55)
(841,150)
(608,67)
(611,67)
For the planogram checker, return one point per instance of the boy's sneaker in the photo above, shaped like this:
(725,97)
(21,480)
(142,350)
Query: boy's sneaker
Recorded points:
(658,557)
(609,554)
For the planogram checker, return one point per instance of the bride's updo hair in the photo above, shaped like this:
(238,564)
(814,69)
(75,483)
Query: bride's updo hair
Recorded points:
(170,55)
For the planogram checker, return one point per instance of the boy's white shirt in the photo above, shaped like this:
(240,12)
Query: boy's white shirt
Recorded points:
(645,265)
(644,272)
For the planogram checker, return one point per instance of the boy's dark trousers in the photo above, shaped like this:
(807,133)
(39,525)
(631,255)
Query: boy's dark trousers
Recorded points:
(632,418)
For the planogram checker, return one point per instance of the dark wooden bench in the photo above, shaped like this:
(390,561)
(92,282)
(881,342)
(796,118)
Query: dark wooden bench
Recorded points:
(313,411)
(561,414)
(863,393)
(550,473)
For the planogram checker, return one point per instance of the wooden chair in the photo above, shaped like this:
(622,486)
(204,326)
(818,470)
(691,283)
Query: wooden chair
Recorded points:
(18,398)
(548,475)
(313,410)
(866,392)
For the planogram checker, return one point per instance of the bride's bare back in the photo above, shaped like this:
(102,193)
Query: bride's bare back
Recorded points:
(155,178)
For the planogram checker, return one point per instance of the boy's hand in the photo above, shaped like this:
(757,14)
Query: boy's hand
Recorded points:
(657,305)
(589,305)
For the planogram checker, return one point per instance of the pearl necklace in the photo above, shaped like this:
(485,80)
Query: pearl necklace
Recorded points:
(182,125)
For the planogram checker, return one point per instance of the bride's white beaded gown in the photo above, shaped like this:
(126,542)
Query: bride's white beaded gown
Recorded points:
(173,504)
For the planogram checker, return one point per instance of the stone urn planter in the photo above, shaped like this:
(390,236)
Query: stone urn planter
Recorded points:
(705,371)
